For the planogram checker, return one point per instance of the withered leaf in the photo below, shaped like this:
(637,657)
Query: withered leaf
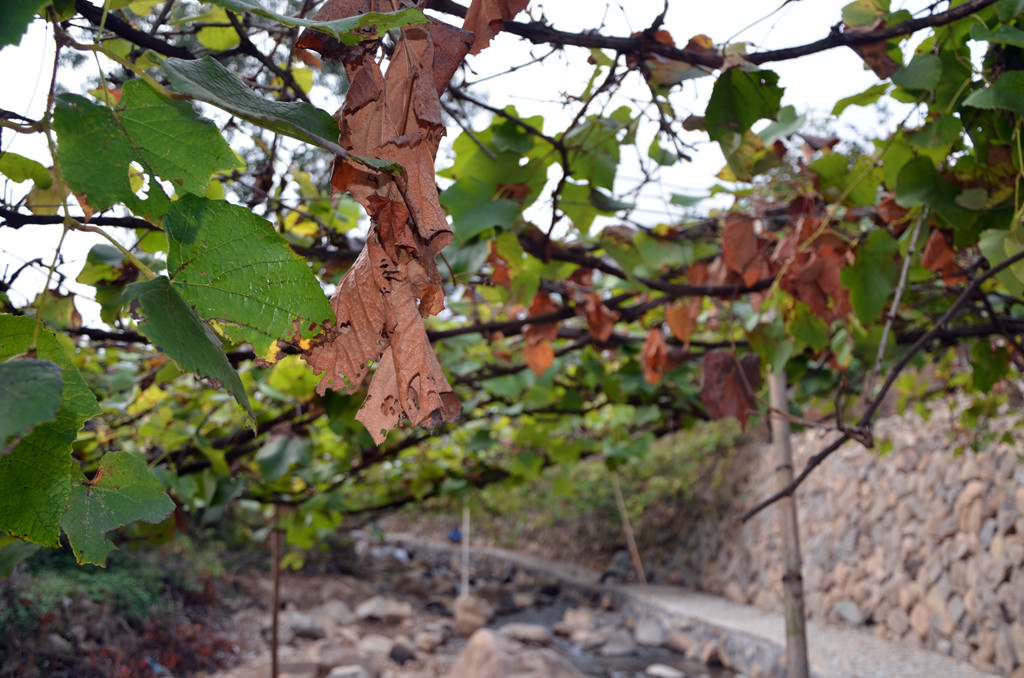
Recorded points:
(681,318)
(726,385)
(654,355)
(937,253)
(893,214)
(539,357)
(874,54)
(535,332)
(501,275)
(394,283)
(330,48)
(600,318)
(739,243)
(485,17)
(817,142)
(939,257)
(813,278)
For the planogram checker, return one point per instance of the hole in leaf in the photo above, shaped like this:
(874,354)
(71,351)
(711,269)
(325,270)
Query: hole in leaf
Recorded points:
(139,180)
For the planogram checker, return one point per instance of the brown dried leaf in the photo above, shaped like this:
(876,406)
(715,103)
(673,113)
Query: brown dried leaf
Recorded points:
(501,275)
(394,283)
(799,233)
(517,192)
(739,243)
(697,274)
(937,253)
(893,214)
(698,43)
(600,318)
(813,278)
(537,332)
(681,318)
(874,53)
(724,386)
(692,123)
(718,272)
(582,276)
(308,58)
(485,17)
(87,209)
(817,143)
(939,257)
(655,356)
(328,47)
(539,357)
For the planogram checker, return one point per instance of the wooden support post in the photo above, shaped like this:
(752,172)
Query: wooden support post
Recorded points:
(792,579)
(464,590)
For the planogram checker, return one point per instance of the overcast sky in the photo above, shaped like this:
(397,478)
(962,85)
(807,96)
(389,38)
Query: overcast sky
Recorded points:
(812,86)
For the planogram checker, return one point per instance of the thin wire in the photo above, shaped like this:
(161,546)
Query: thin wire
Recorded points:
(35,88)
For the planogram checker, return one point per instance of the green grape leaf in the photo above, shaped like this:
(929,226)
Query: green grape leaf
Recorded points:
(594,149)
(18,168)
(349,31)
(35,478)
(1006,35)
(32,391)
(998,245)
(259,293)
(857,185)
(739,99)
(293,378)
(574,201)
(864,12)
(923,72)
(660,155)
(97,146)
(220,37)
(807,326)
(746,156)
(916,183)
(280,453)
(17,14)
(12,552)
(470,202)
(871,277)
(209,81)
(526,464)
(865,98)
(1005,93)
(786,123)
(123,491)
(989,365)
(174,328)
(1009,9)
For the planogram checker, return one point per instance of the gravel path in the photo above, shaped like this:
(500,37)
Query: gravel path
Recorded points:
(835,652)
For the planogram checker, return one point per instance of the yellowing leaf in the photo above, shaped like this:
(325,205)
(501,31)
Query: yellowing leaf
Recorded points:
(539,357)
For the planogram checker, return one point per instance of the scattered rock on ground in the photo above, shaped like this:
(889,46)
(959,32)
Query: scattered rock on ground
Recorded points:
(471,613)
(573,619)
(401,652)
(531,634)
(494,655)
(620,643)
(374,643)
(302,625)
(353,671)
(384,609)
(649,632)
(337,611)
(663,671)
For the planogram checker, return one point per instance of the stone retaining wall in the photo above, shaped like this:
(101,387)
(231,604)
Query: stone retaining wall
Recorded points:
(921,546)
